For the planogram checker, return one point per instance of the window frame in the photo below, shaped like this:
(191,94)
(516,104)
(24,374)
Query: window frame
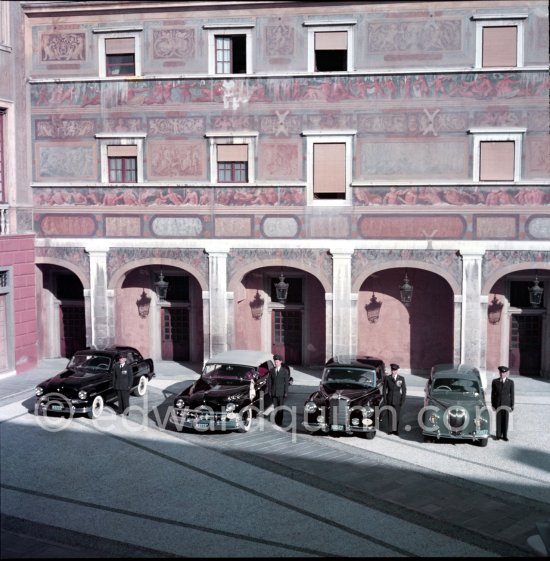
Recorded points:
(329,137)
(123,168)
(330,26)
(127,33)
(121,139)
(228,30)
(497,135)
(242,137)
(500,20)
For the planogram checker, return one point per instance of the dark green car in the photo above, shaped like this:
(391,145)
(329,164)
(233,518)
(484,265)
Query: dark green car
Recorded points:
(454,405)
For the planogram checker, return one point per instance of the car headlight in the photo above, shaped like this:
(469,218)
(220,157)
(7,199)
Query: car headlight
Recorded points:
(310,407)
(433,418)
(39,391)
(179,404)
(82,394)
(230,407)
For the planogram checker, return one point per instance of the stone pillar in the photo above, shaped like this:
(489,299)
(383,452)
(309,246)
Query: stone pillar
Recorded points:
(100,302)
(341,290)
(218,316)
(474,322)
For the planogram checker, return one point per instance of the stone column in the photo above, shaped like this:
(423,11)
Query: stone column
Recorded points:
(473,329)
(342,308)
(100,301)
(218,315)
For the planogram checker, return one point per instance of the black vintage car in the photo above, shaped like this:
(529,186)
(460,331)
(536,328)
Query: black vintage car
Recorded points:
(232,388)
(454,405)
(86,385)
(348,397)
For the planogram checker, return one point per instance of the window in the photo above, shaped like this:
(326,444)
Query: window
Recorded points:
(499,41)
(122,164)
(5,25)
(231,54)
(232,157)
(230,48)
(119,52)
(330,47)
(232,163)
(497,154)
(329,167)
(120,58)
(121,157)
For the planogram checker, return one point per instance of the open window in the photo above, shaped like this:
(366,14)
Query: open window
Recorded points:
(330,46)
(499,41)
(232,157)
(329,159)
(497,155)
(229,48)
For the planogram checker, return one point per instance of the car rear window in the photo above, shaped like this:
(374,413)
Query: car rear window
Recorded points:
(348,377)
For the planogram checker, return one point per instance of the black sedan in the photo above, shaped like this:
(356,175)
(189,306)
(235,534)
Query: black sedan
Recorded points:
(454,405)
(86,385)
(348,398)
(231,390)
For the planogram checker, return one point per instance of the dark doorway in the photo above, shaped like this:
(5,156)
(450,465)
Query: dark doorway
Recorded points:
(175,334)
(73,328)
(525,344)
(287,335)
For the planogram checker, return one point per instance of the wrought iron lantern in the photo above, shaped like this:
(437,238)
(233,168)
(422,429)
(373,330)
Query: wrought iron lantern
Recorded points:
(143,304)
(257,306)
(535,293)
(373,309)
(406,291)
(494,311)
(161,287)
(281,289)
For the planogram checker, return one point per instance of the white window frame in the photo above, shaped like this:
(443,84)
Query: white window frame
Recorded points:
(497,135)
(122,139)
(223,29)
(499,20)
(5,35)
(127,33)
(329,137)
(238,137)
(320,26)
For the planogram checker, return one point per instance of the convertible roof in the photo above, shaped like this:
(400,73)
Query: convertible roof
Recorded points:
(244,357)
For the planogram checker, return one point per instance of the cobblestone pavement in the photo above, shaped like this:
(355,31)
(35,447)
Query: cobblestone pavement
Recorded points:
(489,498)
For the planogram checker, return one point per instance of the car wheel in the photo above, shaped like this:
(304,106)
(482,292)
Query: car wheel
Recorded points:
(141,388)
(246,421)
(483,442)
(97,407)
(370,435)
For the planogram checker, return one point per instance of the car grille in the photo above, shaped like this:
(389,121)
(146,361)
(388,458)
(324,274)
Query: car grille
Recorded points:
(338,407)
(456,418)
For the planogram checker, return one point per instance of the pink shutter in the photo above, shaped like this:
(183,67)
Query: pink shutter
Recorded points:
(496,161)
(500,46)
(232,152)
(329,168)
(122,46)
(331,40)
(119,151)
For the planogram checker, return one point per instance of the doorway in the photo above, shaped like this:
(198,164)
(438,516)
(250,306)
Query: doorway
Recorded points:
(175,334)
(287,335)
(526,344)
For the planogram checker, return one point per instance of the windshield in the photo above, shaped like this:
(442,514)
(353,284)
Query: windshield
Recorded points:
(228,372)
(90,362)
(349,377)
(455,385)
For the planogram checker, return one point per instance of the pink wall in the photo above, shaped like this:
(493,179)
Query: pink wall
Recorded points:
(494,331)
(18,252)
(416,337)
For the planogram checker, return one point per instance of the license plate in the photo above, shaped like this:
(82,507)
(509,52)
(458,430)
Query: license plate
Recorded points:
(336,427)
(202,425)
(57,408)
(482,432)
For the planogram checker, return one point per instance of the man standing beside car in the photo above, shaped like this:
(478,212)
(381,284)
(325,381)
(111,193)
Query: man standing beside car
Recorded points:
(502,400)
(122,382)
(279,378)
(394,391)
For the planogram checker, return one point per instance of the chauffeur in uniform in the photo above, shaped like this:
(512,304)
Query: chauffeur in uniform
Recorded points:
(279,380)
(502,400)
(395,391)
(122,381)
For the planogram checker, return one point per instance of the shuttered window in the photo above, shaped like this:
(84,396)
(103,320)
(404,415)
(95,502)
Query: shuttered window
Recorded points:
(120,56)
(122,161)
(329,170)
(500,46)
(496,161)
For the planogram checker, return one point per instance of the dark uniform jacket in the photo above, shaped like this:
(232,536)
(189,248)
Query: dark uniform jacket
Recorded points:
(502,393)
(394,391)
(123,378)
(279,382)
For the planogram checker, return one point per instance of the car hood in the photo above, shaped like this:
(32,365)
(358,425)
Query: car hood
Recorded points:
(327,391)
(445,402)
(68,381)
(205,392)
